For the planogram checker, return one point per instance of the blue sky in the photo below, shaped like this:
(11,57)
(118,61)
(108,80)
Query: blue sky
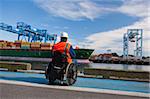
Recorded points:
(90,23)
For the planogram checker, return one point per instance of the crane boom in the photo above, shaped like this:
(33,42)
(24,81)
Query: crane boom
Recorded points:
(26,31)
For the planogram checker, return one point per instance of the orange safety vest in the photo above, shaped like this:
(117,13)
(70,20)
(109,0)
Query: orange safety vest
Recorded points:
(61,47)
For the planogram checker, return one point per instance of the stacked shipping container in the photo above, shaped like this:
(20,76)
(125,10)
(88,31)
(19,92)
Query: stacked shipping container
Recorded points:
(25,45)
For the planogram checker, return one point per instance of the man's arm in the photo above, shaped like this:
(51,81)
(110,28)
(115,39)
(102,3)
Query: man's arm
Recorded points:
(72,53)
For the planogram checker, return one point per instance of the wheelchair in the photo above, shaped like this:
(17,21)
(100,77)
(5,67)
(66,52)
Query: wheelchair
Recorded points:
(61,71)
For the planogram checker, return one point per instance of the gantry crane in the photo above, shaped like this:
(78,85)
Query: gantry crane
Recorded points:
(135,36)
(29,33)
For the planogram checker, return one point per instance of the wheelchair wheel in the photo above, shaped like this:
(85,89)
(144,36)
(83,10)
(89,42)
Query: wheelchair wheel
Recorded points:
(51,74)
(71,74)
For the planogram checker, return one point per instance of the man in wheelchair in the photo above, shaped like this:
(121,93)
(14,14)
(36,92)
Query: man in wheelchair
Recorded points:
(62,67)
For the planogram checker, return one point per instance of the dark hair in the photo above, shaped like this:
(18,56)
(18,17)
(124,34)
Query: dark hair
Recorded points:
(63,39)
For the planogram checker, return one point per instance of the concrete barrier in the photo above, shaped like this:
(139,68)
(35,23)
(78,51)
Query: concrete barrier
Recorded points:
(110,73)
(14,66)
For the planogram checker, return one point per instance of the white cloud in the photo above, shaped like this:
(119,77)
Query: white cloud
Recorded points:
(61,28)
(88,9)
(134,8)
(114,39)
(72,9)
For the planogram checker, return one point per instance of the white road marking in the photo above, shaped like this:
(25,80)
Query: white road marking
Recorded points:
(72,88)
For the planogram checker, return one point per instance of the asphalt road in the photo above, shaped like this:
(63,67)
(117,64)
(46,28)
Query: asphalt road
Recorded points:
(12,91)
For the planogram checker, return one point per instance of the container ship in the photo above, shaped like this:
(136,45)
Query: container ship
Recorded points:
(34,51)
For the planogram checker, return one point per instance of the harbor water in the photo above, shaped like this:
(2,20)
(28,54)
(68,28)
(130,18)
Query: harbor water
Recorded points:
(120,66)
(114,67)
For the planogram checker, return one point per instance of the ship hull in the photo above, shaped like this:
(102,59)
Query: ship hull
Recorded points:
(80,53)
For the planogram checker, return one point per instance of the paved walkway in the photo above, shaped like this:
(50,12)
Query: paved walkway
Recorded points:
(119,85)
(16,85)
